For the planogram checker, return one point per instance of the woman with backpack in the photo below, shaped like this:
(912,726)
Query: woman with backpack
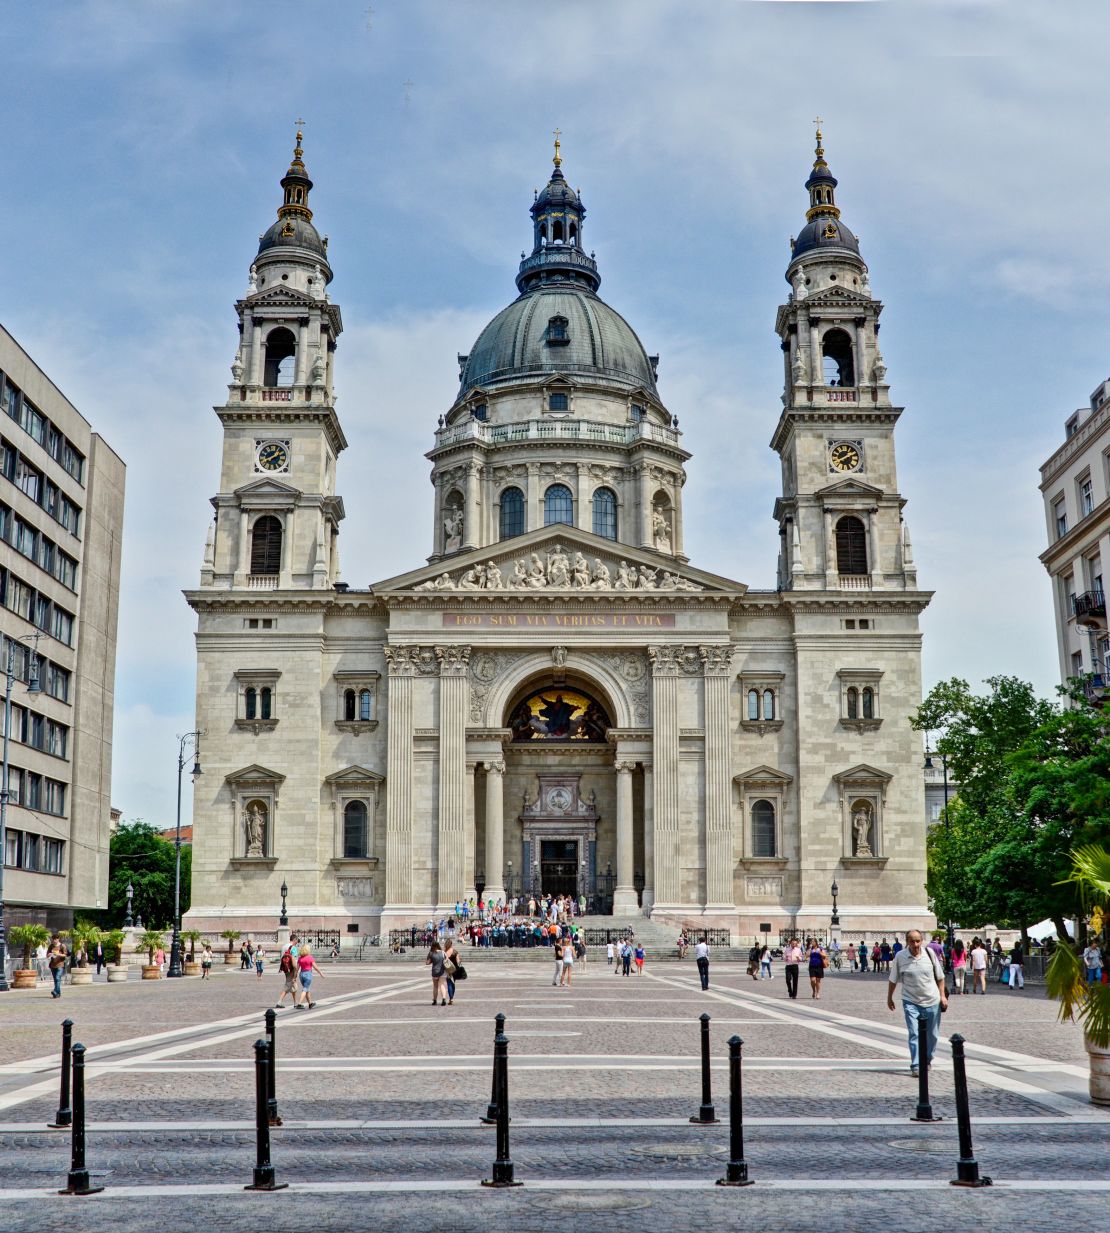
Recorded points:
(288,968)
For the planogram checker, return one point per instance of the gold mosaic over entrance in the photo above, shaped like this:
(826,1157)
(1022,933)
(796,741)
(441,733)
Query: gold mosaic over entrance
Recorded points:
(559,715)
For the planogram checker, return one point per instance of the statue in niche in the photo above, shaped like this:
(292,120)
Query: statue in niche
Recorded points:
(661,531)
(559,656)
(861,829)
(254,822)
(452,529)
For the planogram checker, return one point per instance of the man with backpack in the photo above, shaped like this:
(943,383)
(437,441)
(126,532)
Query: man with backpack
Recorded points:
(287,966)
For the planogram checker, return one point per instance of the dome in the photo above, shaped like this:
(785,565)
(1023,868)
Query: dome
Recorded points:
(518,342)
(293,232)
(824,233)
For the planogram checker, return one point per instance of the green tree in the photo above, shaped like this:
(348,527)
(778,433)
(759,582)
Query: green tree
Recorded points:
(141,856)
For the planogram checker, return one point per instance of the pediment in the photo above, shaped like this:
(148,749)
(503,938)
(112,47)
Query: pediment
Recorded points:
(854,488)
(265,488)
(862,773)
(560,559)
(255,773)
(354,775)
(281,297)
(764,774)
(837,295)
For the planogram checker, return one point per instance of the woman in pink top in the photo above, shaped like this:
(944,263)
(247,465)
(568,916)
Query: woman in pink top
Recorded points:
(306,965)
(959,966)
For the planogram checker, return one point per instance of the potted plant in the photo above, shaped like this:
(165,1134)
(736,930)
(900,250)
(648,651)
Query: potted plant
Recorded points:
(150,940)
(113,947)
(233,936)
(27,938)
(83,934)
(1087,1003)
(192,936)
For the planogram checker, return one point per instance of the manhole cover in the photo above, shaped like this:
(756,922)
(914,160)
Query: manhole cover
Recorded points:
(937,1146)
(677,1151)
(586,1202)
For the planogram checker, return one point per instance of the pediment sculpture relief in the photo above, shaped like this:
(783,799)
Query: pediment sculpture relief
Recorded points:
(559,570)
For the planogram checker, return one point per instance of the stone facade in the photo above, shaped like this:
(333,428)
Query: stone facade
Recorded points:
(559,697)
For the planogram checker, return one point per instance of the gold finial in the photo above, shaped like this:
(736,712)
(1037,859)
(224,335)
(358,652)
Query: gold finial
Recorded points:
(298,153)
(557,160)
(819,153)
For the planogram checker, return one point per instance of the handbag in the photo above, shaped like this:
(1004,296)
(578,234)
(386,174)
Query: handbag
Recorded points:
(460,973)
(449,967)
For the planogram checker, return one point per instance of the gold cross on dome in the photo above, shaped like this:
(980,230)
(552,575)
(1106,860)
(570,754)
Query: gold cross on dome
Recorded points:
(558,133)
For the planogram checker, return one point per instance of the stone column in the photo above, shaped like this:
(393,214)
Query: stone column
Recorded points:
(471,837)
(471,534)
(676,530)
(665,750)
(624,896)
(533,499)
(244,566)
(649,839)
(873,546)
(495,831)
(647,539)
(300,372)
(453,699)
(716,669)
(831,569)
(255,377)
(399,775)
(582,499)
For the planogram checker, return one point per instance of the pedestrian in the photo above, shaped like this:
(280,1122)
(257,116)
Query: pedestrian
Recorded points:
(626,957)
(1092,961)
(206,962)
(753,961)
(884,955)
(57,964)
(765,963)
(979,959)
(451,965)
(1017,966)
(609,953)
(852,959)
(244,958)
(701,955)
(818,961)
(862,955)
(557,946)
(638,955)
(580,947)
(306,969)
(791,957)
(287,966)
(683,944)
(435,961)
(876,958)
(568,962)
(923,995)
(42,961)
(160,960)
(959,967)
(98,955)
(259,960)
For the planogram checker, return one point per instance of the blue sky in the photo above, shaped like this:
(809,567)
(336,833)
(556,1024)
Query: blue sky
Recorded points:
(143,145)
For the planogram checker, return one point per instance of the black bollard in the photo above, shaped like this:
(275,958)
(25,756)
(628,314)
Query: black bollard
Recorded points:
(503,1164)
(490,1118)
(967,1169)
(263,1169)
(271,1069)
(78,1180)
(736,1172)
(64,1116)
(924,1107)
(706,1115)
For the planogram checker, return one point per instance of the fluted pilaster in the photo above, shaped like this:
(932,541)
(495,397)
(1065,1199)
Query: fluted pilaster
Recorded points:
(665,667)
(716,661)
(453,698)
(495,830)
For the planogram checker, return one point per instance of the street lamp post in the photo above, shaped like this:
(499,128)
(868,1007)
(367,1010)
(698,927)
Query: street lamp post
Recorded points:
(283,919)
(34,686)
(193,739)
(835,922)
(509,880)
(130,893)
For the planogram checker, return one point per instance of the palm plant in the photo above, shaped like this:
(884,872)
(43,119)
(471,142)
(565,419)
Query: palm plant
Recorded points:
(27,938)
(150,940)
(233,936)
(1081,1001)
(84,934)
(192,936)
(113,944)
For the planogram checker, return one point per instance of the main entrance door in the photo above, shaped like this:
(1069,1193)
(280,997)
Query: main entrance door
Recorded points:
(559,869)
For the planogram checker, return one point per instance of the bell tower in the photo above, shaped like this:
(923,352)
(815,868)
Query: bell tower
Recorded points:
(840,513)
(277,515)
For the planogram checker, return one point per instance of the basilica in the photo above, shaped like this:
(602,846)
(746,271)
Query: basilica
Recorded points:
(558,699)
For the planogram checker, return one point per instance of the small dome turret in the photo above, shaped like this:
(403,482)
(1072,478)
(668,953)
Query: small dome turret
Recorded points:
(557,253)
(294,233)
(823,230)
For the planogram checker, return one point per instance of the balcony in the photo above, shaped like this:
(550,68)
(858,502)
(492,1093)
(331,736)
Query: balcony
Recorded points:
(854,582)
(555,430)
(1090,609)
(841,395)
(262,582)
(277,394)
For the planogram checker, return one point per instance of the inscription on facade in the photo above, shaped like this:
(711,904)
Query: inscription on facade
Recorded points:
(558,620)
(358,889)
(764,888)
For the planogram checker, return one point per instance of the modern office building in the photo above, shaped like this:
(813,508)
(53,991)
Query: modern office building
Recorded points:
(61,524)
(1075,484)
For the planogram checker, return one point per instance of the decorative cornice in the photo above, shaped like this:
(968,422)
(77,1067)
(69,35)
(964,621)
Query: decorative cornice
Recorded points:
(286,413)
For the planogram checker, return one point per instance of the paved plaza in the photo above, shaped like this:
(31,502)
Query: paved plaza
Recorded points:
(381,1095)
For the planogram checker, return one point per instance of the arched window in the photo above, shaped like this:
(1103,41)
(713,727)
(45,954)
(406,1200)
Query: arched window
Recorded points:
(605,513)
(281,351)
(836,359)
(349,705)
(364,698)
(851,546)
(266,545)
(868,702)
(763,829)
(558,505)
(250,702)
(768,704)
(354,829)
(557,331)
(512,513)
(753,704)
(557,231)
(574,233)
(853,702)
(265,699)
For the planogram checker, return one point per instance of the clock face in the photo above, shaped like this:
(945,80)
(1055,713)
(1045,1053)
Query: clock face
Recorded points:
(844,456)
(273,456)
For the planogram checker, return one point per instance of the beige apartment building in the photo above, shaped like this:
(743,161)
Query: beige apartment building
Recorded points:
(1075,483)
(61,523)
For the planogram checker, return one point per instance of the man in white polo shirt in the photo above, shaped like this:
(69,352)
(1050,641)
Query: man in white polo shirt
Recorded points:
(923,994)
